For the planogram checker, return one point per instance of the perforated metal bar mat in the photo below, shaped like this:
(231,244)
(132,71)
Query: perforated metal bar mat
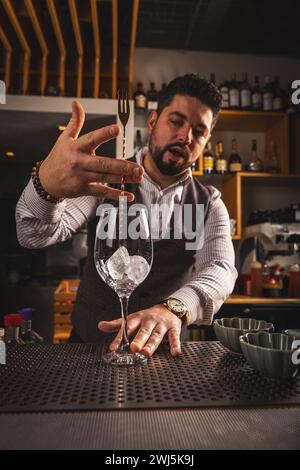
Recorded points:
(72,377)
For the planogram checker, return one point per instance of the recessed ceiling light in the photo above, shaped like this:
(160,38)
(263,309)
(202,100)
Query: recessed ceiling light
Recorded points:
(10,153)
(61,127)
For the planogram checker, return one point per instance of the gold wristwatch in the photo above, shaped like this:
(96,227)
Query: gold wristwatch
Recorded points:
(178,308)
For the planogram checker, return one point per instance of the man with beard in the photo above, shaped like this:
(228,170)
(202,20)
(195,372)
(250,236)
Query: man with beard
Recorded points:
(184,286)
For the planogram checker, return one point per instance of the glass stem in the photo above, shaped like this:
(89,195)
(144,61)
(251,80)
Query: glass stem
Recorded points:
(124,312)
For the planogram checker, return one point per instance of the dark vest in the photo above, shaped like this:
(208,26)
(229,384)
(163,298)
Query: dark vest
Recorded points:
(172,267)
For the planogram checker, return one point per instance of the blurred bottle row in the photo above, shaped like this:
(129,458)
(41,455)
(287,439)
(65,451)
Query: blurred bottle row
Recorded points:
(236,95)
(218,163)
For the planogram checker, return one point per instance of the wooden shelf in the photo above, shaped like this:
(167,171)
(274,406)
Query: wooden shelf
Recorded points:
(269,178)
(249,121)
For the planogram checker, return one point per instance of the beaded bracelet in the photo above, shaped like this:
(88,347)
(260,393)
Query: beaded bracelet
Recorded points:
(38,185)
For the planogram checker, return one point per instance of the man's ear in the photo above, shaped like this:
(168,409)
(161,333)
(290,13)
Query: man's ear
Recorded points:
(152,118)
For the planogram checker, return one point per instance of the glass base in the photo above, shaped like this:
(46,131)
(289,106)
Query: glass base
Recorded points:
(123,357)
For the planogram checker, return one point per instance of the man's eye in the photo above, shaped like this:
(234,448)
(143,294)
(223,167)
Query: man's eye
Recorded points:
(176,122)
(199,132)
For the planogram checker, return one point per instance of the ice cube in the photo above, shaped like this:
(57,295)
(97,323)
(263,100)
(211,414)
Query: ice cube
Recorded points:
(138,269)
(118,263)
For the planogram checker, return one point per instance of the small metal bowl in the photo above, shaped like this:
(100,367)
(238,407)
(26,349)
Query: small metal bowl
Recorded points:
(228,330)
(271,354)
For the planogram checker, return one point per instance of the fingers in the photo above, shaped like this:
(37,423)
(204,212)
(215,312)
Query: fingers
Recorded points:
(91,141)
(156,338)
(115,325)
(174,341)
(110,326)
(117,341)
(115,166)
(76,122)
(92,177)
(100,190)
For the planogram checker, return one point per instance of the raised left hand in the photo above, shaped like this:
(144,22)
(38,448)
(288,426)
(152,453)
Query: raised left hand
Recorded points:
(150,325)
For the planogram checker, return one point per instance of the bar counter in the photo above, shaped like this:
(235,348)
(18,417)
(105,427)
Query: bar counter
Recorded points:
(63,397)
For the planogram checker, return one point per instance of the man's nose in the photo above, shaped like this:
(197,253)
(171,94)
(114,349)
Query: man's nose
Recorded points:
(185,135)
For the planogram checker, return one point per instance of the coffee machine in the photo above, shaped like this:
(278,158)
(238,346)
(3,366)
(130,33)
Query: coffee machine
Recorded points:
(272,243)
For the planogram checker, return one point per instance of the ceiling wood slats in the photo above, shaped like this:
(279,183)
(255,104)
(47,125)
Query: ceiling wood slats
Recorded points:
(42,42)
(21,36)
(82,48)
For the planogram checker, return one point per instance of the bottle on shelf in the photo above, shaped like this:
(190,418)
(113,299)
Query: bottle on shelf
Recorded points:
(28,335)
(278,95)
(257,96)
(267,95)
(291,107)
(256,274)
(221,162)
(152,97)
(245,93)
(12,323)
(234,93)
(224,89)
(2,347)
(255,163)
(140,100)
(294,282)
(273,163)
(234,160)
(208,160)
(138,144)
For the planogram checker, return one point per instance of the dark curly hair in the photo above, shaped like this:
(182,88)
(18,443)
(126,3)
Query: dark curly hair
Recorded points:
(195,86)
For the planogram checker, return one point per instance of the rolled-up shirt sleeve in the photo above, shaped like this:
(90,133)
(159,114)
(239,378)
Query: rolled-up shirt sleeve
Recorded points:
(40,223)
(215,273)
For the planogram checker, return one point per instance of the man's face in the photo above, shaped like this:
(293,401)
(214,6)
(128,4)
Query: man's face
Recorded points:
(178,136)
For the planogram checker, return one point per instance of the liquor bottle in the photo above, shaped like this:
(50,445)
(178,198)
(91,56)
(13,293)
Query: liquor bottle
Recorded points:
(294,284)
(256,278)
(152,97)
(208,160)
(234,161)
(140,100)
(291,107)
(245,93)
(221,162)
(12,323)
(234,93)
(268,96)
(2,347)
(273,166)
(255,163)
(138,141)
(28,335)
(224,89)
(278,95)
(257,97)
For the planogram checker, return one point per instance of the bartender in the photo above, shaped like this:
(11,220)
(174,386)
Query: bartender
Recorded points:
(184,287)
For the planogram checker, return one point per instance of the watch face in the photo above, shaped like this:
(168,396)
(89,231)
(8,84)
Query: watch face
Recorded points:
(175,305)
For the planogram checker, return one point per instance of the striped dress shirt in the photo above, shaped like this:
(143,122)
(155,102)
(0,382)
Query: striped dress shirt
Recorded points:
(41,223)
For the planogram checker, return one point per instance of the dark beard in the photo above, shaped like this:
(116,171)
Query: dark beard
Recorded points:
(171,168)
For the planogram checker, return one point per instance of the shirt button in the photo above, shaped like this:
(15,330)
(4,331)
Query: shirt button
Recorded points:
(161,193)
